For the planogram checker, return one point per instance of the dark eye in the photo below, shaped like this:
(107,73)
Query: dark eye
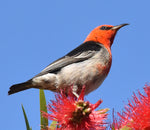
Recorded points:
(105,28)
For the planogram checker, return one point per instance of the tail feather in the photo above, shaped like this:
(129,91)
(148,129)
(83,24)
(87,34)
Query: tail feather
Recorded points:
(19,87)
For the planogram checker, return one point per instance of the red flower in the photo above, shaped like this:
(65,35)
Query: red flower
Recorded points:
(76,114)
(137,114)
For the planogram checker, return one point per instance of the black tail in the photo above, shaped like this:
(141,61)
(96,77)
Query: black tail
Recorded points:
(19,87)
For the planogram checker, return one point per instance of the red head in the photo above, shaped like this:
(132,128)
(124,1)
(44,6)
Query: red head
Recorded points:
(104,34)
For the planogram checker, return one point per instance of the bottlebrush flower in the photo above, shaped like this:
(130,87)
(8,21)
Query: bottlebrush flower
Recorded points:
(137,114)
(73,113)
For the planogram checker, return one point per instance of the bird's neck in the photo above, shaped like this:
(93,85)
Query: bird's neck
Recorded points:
(106,42)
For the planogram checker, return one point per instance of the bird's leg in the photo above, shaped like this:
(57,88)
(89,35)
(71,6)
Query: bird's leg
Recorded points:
(74,91)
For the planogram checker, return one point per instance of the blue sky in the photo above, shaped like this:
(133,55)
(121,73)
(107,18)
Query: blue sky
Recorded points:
(34,33)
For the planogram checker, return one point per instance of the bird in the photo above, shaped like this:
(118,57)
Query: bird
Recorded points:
(87,65)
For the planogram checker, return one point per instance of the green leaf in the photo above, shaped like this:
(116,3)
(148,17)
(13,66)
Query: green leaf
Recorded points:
(53,125)
(44,121)
(126,128)
(26,119)
(103,111)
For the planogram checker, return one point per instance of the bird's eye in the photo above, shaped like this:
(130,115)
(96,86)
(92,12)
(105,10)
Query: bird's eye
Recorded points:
(105,28)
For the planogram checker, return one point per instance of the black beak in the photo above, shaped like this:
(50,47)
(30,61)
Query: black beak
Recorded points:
(117,27)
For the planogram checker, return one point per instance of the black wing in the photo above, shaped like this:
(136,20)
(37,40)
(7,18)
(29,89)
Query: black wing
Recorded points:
(79,54)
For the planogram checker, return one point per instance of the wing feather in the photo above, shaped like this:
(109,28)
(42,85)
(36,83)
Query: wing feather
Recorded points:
(79,54)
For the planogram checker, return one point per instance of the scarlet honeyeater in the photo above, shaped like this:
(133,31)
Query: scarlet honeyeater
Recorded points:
(88,65)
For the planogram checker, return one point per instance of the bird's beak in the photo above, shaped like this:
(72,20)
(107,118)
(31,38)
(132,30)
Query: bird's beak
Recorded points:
(117,27)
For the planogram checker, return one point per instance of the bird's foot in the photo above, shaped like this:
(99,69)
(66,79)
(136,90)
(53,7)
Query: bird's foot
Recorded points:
(74,91)
(75,94)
